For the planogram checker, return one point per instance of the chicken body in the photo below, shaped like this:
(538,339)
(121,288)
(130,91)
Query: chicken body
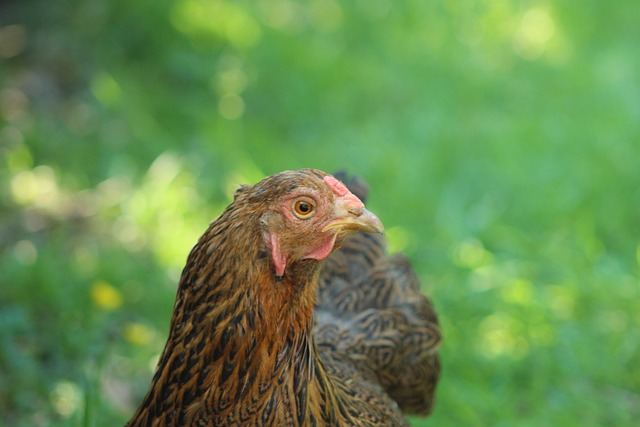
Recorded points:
(243,348)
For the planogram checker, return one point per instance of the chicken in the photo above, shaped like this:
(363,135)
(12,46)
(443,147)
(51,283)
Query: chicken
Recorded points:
(243,347)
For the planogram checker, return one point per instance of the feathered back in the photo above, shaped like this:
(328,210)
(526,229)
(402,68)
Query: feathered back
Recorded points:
(370,308)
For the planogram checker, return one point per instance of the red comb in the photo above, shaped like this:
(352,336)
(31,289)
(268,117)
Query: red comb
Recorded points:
(336,186)
(340,190)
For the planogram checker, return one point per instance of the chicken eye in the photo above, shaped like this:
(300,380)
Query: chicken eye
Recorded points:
(303,209)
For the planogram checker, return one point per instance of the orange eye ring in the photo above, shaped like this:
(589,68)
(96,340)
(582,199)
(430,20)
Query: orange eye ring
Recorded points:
(304,208)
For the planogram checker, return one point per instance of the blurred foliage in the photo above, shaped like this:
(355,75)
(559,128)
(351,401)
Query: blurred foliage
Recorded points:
(500,139)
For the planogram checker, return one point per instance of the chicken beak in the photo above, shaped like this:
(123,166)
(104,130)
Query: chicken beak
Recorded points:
(349,213)
(356,220)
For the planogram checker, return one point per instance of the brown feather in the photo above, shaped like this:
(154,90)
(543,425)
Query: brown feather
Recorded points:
(243,348)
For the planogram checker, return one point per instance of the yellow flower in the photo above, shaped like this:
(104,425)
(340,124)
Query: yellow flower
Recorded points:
(137,333)
(105,296)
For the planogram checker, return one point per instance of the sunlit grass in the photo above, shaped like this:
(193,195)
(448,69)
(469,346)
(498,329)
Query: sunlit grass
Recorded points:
(499,140)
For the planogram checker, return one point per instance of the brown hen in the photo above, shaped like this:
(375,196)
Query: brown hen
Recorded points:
(243,347)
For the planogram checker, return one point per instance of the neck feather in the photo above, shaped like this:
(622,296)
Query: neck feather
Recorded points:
(241,337)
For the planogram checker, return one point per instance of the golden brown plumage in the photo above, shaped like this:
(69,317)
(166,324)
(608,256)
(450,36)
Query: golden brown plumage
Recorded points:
(243,348)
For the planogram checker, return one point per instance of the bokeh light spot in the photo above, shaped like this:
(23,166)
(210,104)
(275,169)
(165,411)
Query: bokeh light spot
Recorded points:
(105,295)
(66,398)
(13,104)
(206,18)
(398,238)
(562,300)
(231,106)
(26,252)
(138,334)
(472,254)
(501,335)
(106,89)
(13,40)
(36,187)
(536,29)
(232,81)
(518,291)
(327,15)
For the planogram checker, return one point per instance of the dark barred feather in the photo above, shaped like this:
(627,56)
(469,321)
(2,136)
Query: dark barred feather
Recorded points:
(370,308)
(353,344)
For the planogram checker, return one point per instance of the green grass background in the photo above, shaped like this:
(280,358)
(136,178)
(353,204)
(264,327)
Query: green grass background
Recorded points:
(501,140)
